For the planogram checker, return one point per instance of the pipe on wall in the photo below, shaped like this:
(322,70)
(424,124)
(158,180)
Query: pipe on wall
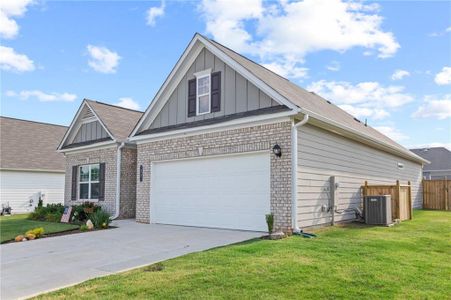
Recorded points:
(118,180)
(294,171)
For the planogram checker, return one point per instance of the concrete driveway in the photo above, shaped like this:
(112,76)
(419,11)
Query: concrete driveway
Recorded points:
(31,268)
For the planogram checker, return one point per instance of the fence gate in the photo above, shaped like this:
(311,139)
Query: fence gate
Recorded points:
(437,194)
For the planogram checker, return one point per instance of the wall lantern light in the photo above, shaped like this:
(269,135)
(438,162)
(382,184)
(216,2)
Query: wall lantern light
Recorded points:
(277,150)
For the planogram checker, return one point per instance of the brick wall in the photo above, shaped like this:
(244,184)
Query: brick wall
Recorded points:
(128,178)
(255,138)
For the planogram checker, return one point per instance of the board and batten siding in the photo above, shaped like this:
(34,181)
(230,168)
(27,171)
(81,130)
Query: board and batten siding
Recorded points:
(322,154)
(90,132)
(237,94)
(19,187)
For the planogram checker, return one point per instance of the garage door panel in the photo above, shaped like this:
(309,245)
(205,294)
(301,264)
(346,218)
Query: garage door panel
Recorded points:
(225,192)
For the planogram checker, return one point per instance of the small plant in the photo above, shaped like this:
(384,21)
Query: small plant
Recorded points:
(37,232)
(100,219)
(154,268)
(41,213)
(270,222)
(84,228)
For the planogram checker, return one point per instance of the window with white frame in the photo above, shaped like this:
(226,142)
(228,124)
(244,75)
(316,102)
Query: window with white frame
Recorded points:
(203,102)
(89,182)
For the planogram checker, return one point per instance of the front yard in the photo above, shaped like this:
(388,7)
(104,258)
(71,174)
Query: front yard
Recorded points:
(12,226)
(411,260)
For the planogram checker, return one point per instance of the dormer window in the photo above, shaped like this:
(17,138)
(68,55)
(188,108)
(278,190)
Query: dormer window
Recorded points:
(203,102)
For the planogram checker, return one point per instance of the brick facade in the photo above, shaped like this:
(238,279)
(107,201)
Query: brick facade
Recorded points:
(128,178)
(249,139)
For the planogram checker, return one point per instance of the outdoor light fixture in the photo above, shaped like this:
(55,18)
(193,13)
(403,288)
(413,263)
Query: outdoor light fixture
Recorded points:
(277,150)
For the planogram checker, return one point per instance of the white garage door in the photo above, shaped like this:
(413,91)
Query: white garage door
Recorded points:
(224,192)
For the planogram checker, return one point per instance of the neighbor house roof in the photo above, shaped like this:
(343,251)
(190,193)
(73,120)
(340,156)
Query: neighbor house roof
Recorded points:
(28,145)
(440,158)
(119,121)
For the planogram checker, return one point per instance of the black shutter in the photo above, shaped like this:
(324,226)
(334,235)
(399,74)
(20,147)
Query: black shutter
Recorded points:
(102,182)
(215,91)
(73,195)
(191,98)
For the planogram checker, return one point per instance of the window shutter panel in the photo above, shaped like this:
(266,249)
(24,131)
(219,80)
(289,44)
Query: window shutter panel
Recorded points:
(73,195)
(192,97)
(102,182)
(215,91)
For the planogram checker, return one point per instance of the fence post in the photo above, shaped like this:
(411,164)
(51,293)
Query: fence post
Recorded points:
(398,196)
(365,189)
(410,200)
(446,193)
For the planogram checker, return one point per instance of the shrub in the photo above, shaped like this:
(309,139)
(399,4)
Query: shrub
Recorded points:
(37,232)
(84,228)
(41,212)
(100,219)
(79,213)
(270,222)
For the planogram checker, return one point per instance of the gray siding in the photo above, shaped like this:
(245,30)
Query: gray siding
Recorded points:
(90,132)
(322,154)
(237,94)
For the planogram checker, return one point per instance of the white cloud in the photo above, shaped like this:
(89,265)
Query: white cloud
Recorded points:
(128,102)
(42,96)
(102,59)
(364,99)
(10,9)
(392,133)
(399,74)
(10,60)
(288,31)
(155,12)
(334,66)
(443,77)
(435,107)
(441,33)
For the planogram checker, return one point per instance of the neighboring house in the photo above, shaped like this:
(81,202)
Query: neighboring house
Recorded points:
(440,166)
(30,167)
(95,148)
(226,141)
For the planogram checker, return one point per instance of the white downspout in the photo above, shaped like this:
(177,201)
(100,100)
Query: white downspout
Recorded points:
(118,180)
(294,171)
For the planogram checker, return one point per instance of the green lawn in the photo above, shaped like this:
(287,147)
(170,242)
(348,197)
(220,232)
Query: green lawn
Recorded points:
(12,226)
(411,260)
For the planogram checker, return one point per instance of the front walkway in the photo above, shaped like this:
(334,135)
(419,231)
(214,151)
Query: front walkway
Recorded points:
(34,267)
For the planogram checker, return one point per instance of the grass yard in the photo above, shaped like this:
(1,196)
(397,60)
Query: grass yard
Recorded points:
(411,260)
(12,226)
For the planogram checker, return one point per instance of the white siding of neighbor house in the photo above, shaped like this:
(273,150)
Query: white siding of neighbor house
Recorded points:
(237,94)
(322,154)
(19,187)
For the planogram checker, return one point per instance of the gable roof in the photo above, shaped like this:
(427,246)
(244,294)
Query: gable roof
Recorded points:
(117,121)
(29,145)
(289,94)
(440,158)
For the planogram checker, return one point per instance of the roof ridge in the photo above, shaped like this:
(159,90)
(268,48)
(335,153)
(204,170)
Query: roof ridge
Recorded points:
(112,105)
(31,121)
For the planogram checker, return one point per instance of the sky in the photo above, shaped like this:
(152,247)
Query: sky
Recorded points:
(386,62)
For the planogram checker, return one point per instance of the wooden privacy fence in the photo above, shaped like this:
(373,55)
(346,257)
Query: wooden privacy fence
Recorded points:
(401,197)
(437,194)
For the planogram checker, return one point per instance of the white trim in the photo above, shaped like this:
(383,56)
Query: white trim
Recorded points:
(234,124)
(118,181)
(89,182)
(366,138)
(88,120)
(226,59)
(444,170)
(201,75)
(76,121)
(98,146)
(169,79)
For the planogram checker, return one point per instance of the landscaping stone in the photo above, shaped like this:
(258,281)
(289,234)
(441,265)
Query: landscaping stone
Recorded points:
(89,225)
(19,238)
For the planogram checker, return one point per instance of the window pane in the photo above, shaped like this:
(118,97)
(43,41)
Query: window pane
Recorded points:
(94,191)
(84,191)
(204,104)
(84,173)
(203,85)
(94,172)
